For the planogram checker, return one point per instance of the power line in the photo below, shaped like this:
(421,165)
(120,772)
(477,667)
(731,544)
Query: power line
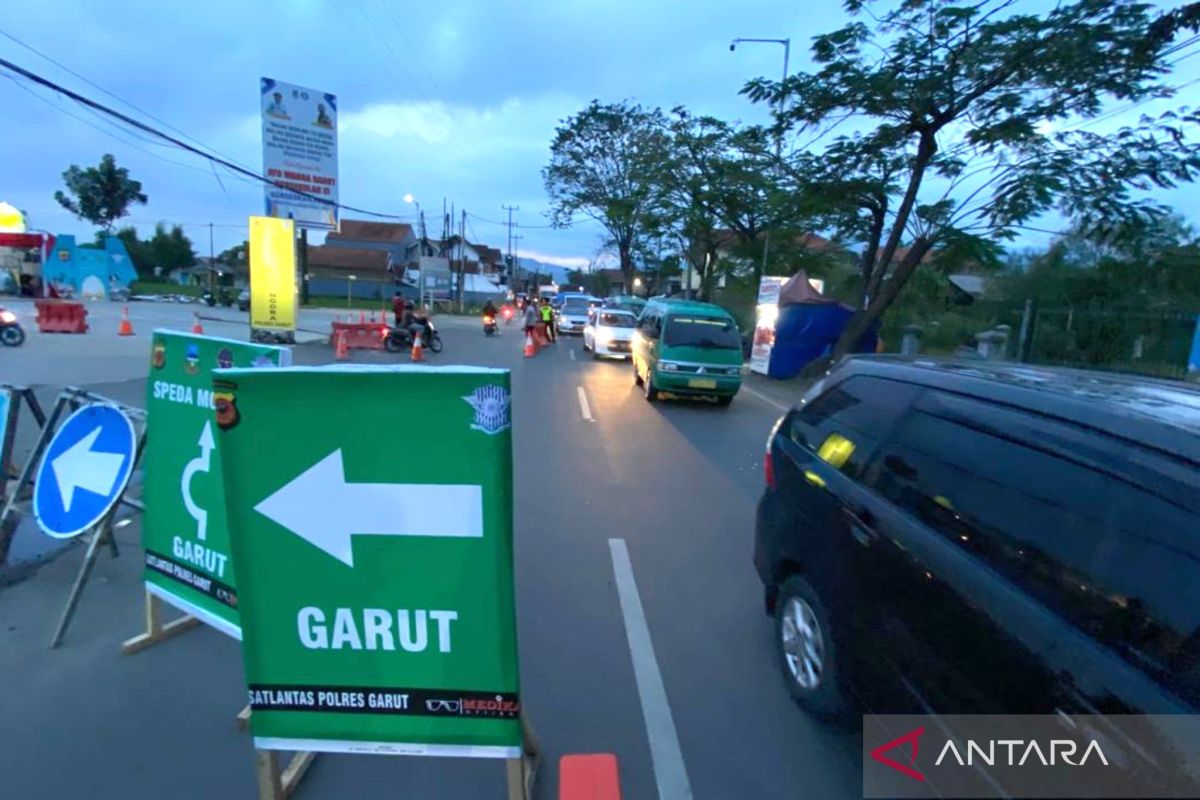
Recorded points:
(107,132)
(88,102)
(100,88)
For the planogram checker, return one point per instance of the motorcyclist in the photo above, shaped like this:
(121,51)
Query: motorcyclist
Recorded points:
(420,323)
(489,310)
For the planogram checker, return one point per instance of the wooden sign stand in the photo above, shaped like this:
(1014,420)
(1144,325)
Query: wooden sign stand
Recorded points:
(274,784)
(156,631)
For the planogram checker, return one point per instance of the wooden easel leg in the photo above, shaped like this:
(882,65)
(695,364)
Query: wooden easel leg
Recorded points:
(522,772)
(155,630)
(270,783)
(243,719)
(295,770)
(85,569)
(274,785)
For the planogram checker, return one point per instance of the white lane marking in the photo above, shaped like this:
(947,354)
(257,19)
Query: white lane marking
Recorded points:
(572,352)
(584,408)
(766,399)
(669,772)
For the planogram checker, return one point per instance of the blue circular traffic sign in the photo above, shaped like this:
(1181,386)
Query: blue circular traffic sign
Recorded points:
(86,467)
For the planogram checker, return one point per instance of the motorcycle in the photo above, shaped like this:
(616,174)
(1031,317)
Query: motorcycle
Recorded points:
(507,311)
(11,332)
(398,339)
(489,326)
(208,298)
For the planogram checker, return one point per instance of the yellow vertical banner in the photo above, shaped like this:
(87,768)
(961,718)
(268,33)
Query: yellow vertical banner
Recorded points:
(272,274)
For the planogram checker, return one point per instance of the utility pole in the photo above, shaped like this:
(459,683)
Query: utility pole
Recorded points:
(462,259)
(516,255)
(211,262)
(511,261)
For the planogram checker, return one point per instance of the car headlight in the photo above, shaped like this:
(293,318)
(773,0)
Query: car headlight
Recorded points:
(668,366)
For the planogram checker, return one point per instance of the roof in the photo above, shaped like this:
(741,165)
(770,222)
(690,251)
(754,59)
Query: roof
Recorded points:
(348,258)
(688,306)
(971,284)
(1159,414)
(362,230)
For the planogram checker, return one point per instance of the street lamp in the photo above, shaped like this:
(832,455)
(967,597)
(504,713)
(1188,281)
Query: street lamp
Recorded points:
(787,51)
(637,284)
(349,284)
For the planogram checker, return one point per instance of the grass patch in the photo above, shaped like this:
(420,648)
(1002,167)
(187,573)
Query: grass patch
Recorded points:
(165,287)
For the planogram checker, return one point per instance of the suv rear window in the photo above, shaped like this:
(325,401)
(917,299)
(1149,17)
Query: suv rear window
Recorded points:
(617,320)
(697,331)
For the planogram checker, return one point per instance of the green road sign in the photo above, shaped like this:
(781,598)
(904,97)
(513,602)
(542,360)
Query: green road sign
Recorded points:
(184,531)
(372,519)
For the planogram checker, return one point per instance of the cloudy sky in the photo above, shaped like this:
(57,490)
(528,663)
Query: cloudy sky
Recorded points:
(456,100)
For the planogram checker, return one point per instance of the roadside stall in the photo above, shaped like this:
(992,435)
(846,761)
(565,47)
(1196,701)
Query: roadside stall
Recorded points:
(796,324)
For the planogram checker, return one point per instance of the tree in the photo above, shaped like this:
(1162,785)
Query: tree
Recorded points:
(966,112)
(170,249)
(234,256)
(602,164)
(101,194)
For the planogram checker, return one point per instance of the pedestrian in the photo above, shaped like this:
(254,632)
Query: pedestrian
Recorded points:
(548,318)
(531,318)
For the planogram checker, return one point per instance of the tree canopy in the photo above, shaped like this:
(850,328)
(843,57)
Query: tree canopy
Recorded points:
(101,194)
(972,120)
(604,163)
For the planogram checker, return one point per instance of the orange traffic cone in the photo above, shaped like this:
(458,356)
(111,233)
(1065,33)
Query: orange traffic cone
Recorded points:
(418,352)
(196,326)
(126,327)
(530,350)
(341,352)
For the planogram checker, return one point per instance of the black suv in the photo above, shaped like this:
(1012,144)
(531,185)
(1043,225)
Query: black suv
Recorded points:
(968,538)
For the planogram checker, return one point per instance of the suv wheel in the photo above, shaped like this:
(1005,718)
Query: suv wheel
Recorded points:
(806,651)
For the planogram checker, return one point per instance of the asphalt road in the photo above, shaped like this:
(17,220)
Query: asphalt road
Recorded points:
(692,700)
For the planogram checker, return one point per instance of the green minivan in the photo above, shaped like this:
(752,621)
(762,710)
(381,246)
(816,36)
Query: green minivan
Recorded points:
(683,347)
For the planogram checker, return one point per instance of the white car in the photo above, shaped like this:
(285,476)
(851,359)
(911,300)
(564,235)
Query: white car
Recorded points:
(572,316)
(609,332)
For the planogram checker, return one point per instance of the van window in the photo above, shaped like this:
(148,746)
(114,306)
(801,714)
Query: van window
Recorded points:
(1117,560)
(845,424)
(648,324)
(699,331)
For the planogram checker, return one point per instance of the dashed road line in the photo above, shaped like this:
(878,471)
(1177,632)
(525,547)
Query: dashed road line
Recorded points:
(584,408)
(572,352)
(670,774)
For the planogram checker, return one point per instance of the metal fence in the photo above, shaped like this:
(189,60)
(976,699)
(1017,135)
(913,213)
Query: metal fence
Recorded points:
(1146,342)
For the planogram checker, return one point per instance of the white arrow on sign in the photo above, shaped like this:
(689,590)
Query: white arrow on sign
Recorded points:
(319,506)
(81,467)
(201,463)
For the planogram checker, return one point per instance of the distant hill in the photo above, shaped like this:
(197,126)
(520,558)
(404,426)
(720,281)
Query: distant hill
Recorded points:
(542,268)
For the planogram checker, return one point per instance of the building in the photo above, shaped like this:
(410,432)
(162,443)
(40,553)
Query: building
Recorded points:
(397,239)
(365,273)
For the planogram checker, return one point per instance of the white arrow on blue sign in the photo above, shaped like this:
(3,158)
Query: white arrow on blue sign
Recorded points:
(86,467)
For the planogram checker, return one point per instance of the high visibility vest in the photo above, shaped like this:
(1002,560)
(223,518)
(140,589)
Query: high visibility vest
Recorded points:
(547,313)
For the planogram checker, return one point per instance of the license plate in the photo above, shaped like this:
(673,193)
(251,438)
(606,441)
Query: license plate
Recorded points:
(702,383)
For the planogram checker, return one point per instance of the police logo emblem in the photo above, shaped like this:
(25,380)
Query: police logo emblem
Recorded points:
(491,409)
